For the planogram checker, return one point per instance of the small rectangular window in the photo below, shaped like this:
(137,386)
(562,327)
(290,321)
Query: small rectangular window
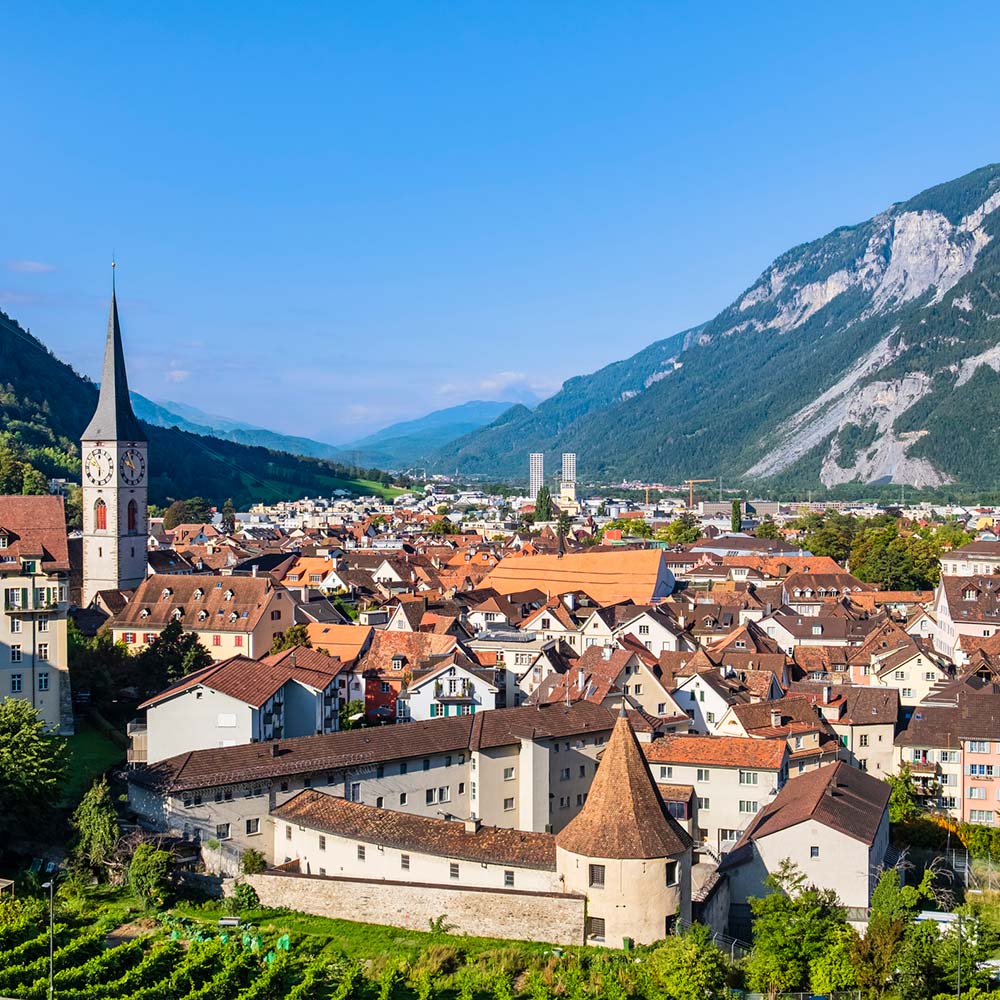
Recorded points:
(508,774)
(222,831)
(508,878)
(322,842)
(361,852)
(595,876)
(253,826)
(508,805)
(671,873)
(404,862)
(427,764)
(595,928)
(288,833)
(814,851)
(453,869)
(402,798)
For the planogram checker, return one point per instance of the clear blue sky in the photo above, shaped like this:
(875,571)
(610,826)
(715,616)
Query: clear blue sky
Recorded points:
(332,216)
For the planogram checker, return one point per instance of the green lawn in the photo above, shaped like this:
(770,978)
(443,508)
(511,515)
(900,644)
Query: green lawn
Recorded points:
(90,753)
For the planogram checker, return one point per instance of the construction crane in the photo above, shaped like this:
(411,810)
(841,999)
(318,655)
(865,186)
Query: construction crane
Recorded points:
(689,483)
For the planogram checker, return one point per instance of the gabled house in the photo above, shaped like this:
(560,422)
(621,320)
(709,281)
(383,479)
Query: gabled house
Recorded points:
(832,823)
(452,687)
(810,738)
(239,700)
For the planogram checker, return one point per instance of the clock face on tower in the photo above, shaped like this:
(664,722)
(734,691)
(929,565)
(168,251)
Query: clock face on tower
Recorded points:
(99,467)
(133,466)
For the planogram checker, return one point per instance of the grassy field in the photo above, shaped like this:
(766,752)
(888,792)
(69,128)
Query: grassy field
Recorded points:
(91,753)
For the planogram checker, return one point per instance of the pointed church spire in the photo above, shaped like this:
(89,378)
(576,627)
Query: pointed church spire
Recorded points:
(114,419)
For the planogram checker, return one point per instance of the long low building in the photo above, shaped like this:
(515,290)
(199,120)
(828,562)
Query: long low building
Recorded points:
(619,871)
(520,768)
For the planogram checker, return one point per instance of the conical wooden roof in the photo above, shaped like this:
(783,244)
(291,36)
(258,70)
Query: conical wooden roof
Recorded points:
(624,816)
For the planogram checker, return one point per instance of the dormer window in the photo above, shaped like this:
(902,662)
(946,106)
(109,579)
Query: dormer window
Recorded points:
(233,616)
(144,613)
(177,614)
(165,593)
(202,615)
(227,596)
(199,594)
(3,540)
(968,594)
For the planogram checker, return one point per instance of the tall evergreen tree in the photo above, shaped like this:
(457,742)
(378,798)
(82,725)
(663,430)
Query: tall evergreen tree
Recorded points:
(543,505)
(228,517)
(736,518)
(95,826)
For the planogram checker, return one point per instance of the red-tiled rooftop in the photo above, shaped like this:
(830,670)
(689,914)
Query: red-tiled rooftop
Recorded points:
(717,751)
(444,838)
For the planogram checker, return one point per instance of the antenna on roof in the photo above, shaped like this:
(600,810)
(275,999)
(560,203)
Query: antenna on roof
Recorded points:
(112,272)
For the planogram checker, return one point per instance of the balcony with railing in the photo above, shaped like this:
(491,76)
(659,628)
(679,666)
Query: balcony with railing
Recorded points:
(463,691)
(137,746)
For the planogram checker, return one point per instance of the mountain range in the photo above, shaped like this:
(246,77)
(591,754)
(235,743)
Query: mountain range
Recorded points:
(45,404)
(399,446)
(870,355)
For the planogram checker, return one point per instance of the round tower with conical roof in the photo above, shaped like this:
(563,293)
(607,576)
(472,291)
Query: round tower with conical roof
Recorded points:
(625,852)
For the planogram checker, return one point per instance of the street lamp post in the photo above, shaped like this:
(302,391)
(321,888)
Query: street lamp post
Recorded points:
(50,885)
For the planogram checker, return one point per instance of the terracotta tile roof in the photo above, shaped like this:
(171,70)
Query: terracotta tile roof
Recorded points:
(624,816)
(862,706)
(838,796)
(675,793)
(158,597)
(416,649)
(361,747)
(609,577)
(780,566)
(254,681)
(35,527)
(444,838)
(795,714)
(717,751)
(985,604)
(343,641)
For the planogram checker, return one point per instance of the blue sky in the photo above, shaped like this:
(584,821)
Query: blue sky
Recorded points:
(332,216)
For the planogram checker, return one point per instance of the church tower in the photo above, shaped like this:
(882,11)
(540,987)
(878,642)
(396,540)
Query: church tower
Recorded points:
(115,476)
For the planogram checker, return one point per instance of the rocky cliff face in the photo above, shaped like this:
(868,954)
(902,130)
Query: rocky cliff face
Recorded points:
(868,355)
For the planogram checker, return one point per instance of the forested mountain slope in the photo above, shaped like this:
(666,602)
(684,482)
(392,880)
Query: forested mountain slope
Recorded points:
(869,355)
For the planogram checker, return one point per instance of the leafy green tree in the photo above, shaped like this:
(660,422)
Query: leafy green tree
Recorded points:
(294,635)
(602,509)
(199,510)
(95,827)
(442,526)
(681,530)
(352,714)
(688,966)
(173,654)
(633,527)
(917,971)
(563,525)
(252,862)
(833,969)
(736,517)
(32,765)
(149,874)
(767,529)
(177,513)
(903,803)
(795,925)
(228,517)
(543,505)
(33,482)
(978,942)
(99,667)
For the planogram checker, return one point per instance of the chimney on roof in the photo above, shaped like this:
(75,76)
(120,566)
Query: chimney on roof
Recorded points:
(775,717)
(607,652)
(473,824)
(253,570)
(275,749)
(579,679)
(827,693)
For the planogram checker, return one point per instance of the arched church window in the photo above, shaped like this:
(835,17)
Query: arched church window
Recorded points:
(101,515)
(133,516)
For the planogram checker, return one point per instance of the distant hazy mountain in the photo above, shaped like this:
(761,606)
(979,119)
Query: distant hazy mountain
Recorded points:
(399,445)
(869,355)
(412,442)
(195,421)
(45,405)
